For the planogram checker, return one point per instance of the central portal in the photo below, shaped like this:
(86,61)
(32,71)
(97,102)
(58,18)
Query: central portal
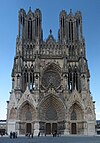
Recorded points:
(51,114)
(51,128)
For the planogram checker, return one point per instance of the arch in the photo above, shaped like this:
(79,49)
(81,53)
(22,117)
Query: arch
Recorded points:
(51,108)
(27,112)
(75,98)
(76,117)
(76,112)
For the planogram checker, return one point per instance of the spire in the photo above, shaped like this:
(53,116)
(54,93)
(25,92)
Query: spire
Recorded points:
(71,13)
(50,37)
(70,10)
(30,13)
(50,32)
(29,8)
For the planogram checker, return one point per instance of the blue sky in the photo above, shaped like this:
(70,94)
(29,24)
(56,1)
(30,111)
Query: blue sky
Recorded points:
(50,20)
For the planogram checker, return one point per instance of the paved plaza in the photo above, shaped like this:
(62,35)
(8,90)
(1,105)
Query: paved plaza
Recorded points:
(50,139)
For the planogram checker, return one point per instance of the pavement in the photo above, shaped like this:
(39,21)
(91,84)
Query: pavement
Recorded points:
(50,139)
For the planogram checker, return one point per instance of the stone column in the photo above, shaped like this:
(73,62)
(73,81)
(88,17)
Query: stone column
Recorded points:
(36,125)
(36,128)
(85,128)
(66,131)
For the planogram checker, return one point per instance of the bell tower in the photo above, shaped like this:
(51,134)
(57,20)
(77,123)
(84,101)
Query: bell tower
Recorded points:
(70,26)
(30,25)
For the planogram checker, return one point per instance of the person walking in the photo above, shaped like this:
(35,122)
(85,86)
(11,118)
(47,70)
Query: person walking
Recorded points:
(38,134)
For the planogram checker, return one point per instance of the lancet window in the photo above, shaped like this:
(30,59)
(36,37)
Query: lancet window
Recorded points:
(73,79)
(28,79)
(30,29)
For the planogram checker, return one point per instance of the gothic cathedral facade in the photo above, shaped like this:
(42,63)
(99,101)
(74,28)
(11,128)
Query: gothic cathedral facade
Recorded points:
(50,79)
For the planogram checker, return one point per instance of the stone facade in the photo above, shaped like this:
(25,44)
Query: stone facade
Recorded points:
(50,79)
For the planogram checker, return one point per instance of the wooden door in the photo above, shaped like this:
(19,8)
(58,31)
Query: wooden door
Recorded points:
(54,127)
(48,128)
(73,128)
(28,128)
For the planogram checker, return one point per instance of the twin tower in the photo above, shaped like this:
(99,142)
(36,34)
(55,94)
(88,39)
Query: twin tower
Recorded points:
(50,79)
(30,26)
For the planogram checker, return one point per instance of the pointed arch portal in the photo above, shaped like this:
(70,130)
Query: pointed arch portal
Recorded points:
(52,113)
(76,118)
(27,115)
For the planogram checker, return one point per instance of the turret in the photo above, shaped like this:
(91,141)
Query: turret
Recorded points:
(21,23)
(38,24)
(63,28)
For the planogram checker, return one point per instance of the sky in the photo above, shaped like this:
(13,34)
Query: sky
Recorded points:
(50,9)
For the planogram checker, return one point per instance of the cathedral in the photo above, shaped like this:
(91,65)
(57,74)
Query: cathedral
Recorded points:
(50,79)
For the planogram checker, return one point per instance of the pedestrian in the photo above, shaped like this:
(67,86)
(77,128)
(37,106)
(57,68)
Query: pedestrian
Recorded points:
(11,135)
(32,135)
(16,135)
(38,134)
(29,135)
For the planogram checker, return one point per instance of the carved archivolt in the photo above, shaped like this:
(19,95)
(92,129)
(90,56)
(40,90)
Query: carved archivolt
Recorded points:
(27,97)
(27,112)
(76,112)
(75,98)
(51,108)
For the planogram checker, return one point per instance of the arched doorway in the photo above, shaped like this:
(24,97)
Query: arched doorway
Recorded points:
(76,117)
(27,115)
(52,114)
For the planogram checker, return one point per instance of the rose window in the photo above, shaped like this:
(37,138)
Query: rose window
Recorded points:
(51,78)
